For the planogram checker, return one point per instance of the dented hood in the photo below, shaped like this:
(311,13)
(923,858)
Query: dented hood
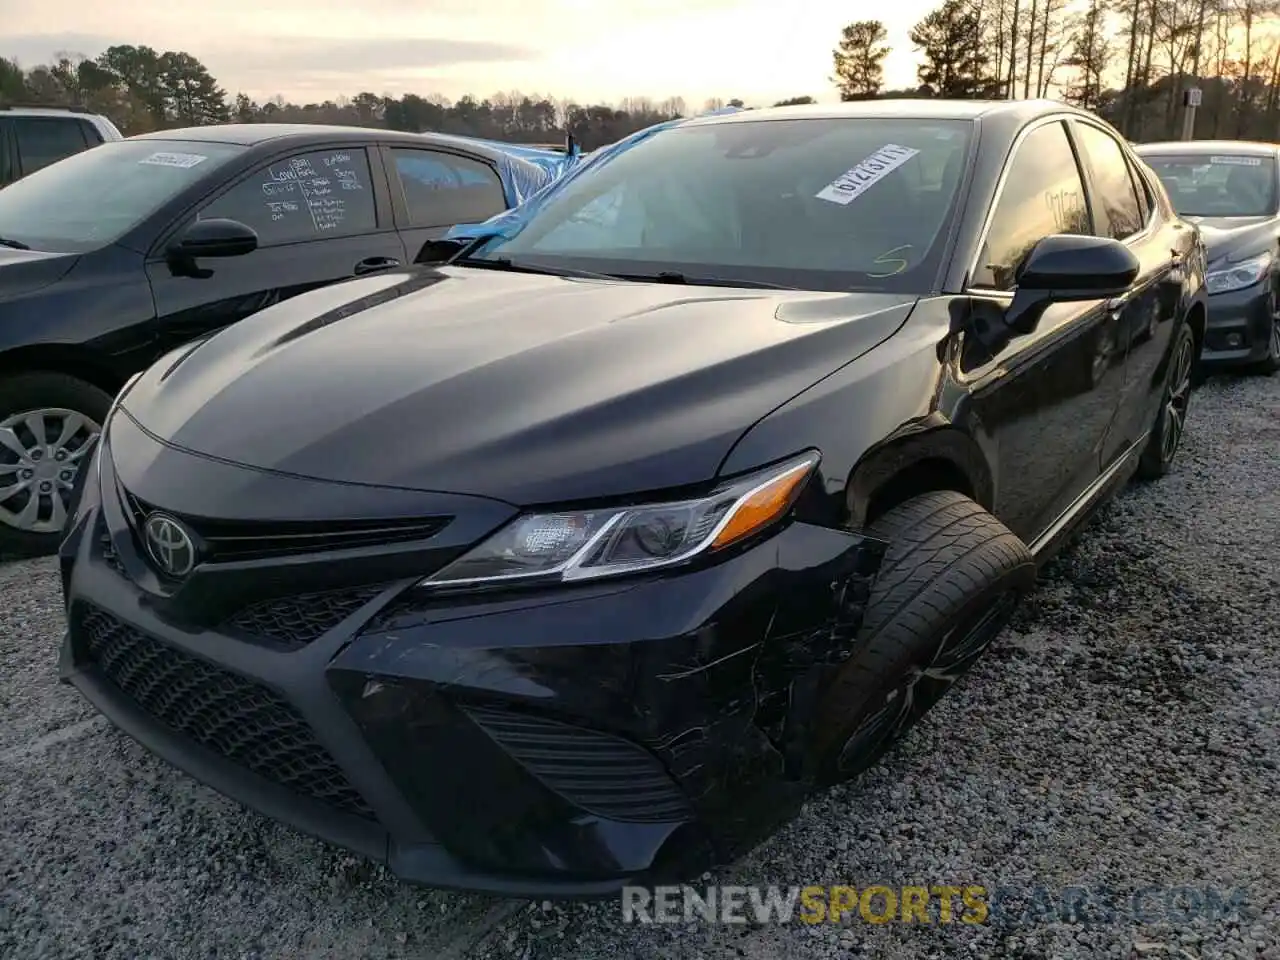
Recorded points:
(521,387)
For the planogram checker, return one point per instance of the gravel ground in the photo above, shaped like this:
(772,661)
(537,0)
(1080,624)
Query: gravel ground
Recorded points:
(1123,733)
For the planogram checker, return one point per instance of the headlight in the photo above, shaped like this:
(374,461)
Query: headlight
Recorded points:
(1238,276)
(574,546)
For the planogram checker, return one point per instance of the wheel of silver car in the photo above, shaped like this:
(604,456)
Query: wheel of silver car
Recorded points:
(48,423)
(951,576)
(1171,420)
(1271,362)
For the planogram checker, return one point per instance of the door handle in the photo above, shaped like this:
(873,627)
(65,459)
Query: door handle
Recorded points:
(1117,304)
(374,264)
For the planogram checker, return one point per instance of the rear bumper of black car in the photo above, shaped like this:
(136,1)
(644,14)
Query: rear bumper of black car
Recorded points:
(555,743)
(1238,328)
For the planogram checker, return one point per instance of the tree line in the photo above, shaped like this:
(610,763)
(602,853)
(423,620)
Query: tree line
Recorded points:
(142,89)
(1128,60)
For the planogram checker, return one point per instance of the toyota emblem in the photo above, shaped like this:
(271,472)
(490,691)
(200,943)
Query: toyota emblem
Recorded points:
(169,545)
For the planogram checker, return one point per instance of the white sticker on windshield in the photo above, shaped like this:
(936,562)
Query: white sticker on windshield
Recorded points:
(1238,161)
(849,186)
(183,160)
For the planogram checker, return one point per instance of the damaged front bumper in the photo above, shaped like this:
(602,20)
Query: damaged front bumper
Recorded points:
(554,743)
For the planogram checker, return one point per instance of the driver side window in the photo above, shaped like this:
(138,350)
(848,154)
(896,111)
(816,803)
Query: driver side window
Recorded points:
(309,196)
(1043,195)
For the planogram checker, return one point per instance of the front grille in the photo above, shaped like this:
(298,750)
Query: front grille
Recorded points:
(298,620)
(222,711)
(228,540)
(598,772)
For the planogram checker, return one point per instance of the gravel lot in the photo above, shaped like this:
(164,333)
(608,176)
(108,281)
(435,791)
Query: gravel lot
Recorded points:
(1124,733)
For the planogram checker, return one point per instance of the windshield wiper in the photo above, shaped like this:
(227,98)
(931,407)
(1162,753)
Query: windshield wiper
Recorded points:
(15,244)
(674,276)
(506,263)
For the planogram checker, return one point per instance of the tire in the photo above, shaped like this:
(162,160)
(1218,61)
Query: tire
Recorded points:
(61,398)
(1270,364)
(950,578)
(1171,418)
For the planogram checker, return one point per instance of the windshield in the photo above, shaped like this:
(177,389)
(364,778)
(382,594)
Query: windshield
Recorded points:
(842,204)
(1218,186)
(93,198)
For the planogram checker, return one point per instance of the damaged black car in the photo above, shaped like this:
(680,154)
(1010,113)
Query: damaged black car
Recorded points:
(586,556)
(1231,191)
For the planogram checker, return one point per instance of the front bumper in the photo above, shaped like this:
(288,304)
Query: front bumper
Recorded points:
(551,743)
(1238,328)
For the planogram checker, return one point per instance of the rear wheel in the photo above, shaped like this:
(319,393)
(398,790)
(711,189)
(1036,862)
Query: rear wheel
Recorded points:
(48,422)
(951,576)
(1171,419)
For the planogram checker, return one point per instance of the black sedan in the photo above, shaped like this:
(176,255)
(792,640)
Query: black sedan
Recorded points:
(115,256)
(1232,191)
(589,555)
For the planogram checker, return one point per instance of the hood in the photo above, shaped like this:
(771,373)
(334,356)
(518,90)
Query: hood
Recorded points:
(25,271)
(1236,238)
(525,388)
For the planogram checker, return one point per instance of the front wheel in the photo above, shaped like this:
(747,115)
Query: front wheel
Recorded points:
(48,422)
(949,580)
(1270,364)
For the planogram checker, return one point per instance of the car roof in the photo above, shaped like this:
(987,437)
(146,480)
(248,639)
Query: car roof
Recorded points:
(1017,111)
(284,134)
(1237,147)
(36,111)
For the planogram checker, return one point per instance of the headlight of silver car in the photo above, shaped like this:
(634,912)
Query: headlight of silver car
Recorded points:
(573,546)
(1238,276)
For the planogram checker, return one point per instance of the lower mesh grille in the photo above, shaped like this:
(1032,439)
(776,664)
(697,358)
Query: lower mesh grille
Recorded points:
(298,620)
(220,710)
(598,772)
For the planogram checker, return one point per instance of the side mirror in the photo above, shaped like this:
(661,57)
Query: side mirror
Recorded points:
(447,248)
(1068,268)
(441,251)
(213,238)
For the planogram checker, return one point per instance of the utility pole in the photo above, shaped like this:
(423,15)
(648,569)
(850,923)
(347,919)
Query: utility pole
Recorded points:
(1190,101)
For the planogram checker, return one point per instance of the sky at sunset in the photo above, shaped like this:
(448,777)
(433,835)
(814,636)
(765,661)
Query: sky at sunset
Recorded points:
(759,50)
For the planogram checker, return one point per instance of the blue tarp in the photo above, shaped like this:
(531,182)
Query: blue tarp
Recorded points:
(512,221)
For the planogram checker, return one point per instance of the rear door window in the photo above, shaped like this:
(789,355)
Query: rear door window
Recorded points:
(45,140)
(443,189)
(1116,203)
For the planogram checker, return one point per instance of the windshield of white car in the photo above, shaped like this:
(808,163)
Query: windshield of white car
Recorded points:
(818,204)
(93,198)
(1213,185)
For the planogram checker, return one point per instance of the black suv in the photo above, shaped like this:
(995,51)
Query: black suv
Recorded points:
(118,254)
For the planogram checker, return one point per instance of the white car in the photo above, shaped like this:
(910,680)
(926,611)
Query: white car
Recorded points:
(34,137)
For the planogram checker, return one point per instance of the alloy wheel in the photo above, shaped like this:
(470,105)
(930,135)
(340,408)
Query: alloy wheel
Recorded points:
(1175,408)
(40,453)
(922,687)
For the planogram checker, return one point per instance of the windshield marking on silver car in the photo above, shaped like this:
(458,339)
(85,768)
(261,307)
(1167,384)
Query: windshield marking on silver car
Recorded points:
(182,160)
